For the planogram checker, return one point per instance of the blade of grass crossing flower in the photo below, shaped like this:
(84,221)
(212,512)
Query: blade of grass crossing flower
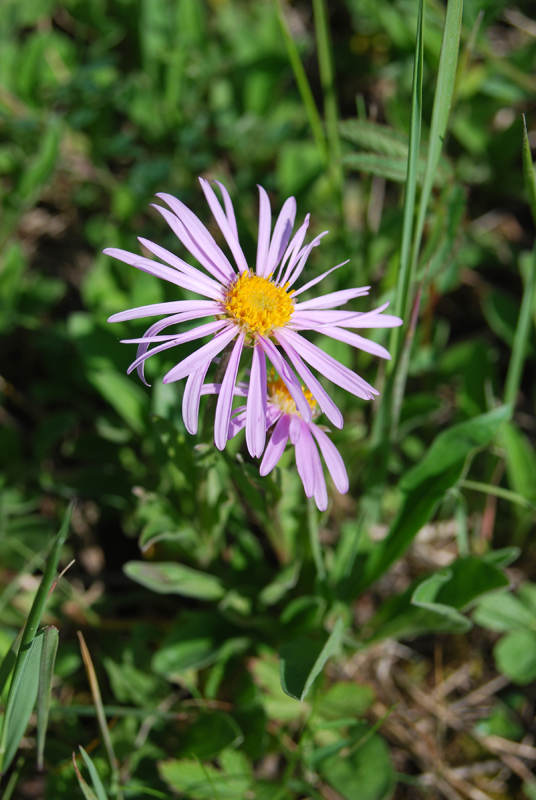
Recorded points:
(303,84)
(46,673)
(446,77)
(26,651)
(86,790)
(97,700)
(519,349)
(325,66)
(95,778)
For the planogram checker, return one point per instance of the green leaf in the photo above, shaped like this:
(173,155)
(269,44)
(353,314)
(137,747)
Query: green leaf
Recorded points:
(365,774)
(373,136)
(95,778)
(46,674)
(22,697)
(209,735)
(278,588)
(520,461)
(203,781)
(454,445)
(424,597)
(503,613)
(170,578)
(302,661)
(345,700)
(128,399)
(515,656)
(528,171)
(41,166)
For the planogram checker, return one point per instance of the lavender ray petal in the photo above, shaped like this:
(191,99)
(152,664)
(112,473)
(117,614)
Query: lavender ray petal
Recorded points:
(256,405)
(206,353)
(321,492)
(332,369)
(215,388)
(333,299)
(332,457)
(294,429)
(229,209)
(174,306)
(192,397)
(237,424)
(288,377)
(276,445)
(317,280)
(282,233)
(265,228)
(180,265)
(293,247)
(306,456)
(225,398)
(221,219)
(319,393)
(355,340)
(299,260)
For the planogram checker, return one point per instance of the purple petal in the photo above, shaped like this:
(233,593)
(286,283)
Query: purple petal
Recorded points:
(298,260)
(215,388)
(200,357)
(273,413)
(276,445)
(293,248)
(237,423)
(333,299)
(294,429)
(281,235)
(317,280)
(229,210)
(288,377)
(256,406)
(265,228)
(357,341)
(191,398)
(319,393)
(307,459)
(180,265)
(221,219)
(321,492)
(225,398)
(161,271)
(328,366)
(332,457)
(175,306)
(196,333)
(195,237)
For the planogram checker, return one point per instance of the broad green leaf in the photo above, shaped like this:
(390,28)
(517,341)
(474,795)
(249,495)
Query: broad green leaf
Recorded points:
(209,735)
(345,699)
(520,461)
(503,613)
(46,674)
(203,781)
(285,580)
(95,778)
(22,697)
(454,445)
(170,578)
(302,661)
(515,656)
(527,595)
(365,773)
(433,603)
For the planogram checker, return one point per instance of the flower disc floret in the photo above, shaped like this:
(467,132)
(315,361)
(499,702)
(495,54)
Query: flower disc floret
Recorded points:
(258,304)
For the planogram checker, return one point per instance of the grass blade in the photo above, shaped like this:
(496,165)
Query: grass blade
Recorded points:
(95,778)
(99,708)
(46,673)
(88,793)
(303,84)
(26,651)
(519,348)
(325,65)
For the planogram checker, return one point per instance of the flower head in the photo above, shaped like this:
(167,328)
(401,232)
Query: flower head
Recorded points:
(257,310)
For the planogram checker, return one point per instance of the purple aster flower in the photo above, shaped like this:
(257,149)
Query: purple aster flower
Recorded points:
(306,436)
(257,309)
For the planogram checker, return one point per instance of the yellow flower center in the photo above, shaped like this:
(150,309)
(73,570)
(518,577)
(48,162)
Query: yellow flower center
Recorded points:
(258,304)
(279,394)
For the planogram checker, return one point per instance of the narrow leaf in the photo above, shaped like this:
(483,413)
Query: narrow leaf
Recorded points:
(302,661)
(88,793)
(95,778)
(528,171)
(46,673)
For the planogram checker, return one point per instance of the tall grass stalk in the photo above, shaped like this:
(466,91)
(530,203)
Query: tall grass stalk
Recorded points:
(519,349)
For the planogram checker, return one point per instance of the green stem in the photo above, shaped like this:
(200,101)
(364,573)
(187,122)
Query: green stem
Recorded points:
(519,349)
